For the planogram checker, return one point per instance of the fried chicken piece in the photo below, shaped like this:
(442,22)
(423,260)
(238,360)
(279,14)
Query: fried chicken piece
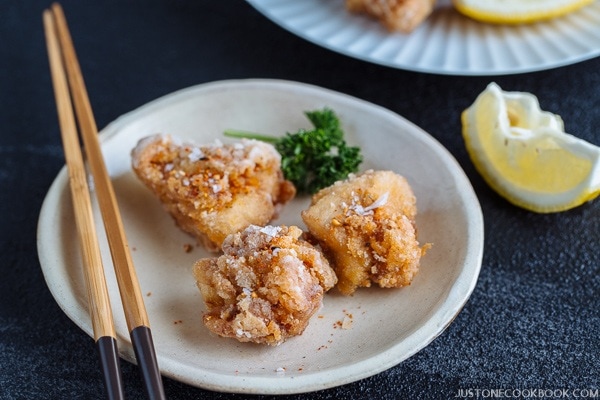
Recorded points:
(213,190)
(265,286)
(395,15)
(366,226)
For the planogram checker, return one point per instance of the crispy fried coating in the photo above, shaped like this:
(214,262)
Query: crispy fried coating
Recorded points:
(265,286)
(213,190)
(396,15)
(366,226)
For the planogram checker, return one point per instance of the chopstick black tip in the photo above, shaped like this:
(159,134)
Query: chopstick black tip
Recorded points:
(141,338)
(109,359)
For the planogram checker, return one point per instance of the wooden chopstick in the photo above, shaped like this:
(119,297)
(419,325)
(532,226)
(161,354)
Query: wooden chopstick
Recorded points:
(97,292)
(131,297)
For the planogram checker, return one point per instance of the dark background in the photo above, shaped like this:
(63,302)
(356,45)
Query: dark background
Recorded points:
(533,319)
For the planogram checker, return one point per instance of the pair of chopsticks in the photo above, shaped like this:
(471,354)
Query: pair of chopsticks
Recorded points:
(66,74)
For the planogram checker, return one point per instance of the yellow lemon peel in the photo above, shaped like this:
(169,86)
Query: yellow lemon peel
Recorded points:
(524,154)
(517,11)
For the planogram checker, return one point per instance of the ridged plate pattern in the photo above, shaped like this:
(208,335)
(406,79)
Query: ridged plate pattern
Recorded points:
(447,42)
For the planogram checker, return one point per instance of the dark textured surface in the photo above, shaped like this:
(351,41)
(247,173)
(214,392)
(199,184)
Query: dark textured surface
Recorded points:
(533,319)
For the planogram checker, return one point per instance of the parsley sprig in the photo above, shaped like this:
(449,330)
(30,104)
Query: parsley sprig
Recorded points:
(316,158)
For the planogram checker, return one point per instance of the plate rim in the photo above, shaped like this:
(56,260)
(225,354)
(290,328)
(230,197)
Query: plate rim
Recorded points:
(313,381)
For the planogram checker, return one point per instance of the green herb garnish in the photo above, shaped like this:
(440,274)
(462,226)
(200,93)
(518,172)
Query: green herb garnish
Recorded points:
(312,159)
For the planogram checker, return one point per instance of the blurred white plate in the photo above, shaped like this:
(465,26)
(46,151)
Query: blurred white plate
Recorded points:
(447,42)
(388,325)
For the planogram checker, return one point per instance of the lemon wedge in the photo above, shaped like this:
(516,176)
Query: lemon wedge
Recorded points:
(524,154)
(517,11)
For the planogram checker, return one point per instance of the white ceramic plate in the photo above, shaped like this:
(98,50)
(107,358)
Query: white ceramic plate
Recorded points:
(447,42)
(387,325)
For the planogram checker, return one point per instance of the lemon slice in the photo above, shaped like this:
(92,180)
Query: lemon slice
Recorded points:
(517,11)
(524,154)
